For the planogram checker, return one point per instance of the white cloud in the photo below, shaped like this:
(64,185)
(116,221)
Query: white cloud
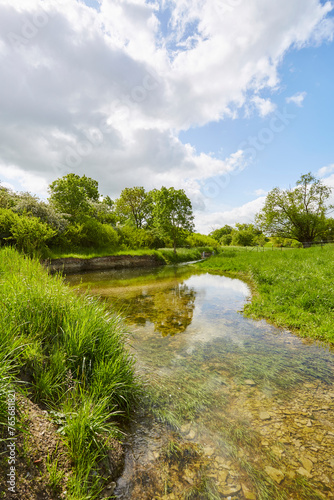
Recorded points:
(243,214)
(264,106)
(261,192)
(105,93)
(324,171)
(29,181)
(297,99)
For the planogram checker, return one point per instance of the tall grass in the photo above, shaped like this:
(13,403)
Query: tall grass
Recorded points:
(73,352)
(294,288)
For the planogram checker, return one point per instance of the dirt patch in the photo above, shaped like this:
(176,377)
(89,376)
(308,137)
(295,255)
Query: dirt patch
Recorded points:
(42,465)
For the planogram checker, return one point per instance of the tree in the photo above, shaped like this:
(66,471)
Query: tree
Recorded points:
(298,213)
(172,214)
(245,235)
(28,204)
(73,195)
(217,234)
(134,204)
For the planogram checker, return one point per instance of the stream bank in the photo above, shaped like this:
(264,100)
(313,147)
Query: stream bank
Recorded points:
(75,265)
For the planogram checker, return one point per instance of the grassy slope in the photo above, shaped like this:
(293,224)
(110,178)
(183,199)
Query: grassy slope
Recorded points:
(294,288)
(72,351)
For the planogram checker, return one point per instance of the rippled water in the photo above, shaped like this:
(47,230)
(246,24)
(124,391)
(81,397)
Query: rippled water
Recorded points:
(235,408)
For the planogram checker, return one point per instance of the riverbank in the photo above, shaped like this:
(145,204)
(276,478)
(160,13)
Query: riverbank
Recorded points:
(81,261)
(292,289)
(67,381)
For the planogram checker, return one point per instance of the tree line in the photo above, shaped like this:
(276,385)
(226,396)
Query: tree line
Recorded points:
(77,216)
(294,217)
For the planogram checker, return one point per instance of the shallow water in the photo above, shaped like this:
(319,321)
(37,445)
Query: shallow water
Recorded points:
(235,408)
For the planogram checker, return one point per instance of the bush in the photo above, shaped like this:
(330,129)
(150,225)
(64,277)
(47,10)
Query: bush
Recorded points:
(132,237)
(195,240)
(31,235)
(28,204)
(7,219)
(91,234)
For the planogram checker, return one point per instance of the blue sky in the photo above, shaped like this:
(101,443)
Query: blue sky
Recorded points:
(306,144)
(225,99)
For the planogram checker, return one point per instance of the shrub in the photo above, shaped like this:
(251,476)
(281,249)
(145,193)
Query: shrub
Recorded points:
(201,240)
(31,235)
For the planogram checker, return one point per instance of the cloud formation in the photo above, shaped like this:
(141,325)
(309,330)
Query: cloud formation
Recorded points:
(297,99)
(106,92)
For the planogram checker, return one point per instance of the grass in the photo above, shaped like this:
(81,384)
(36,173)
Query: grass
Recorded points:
(293,288)
(73,353)
(167,255)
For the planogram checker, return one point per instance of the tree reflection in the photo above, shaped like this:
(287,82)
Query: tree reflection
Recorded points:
(170,309)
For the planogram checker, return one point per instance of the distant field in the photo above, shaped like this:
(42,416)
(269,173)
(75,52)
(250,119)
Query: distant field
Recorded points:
(293,288)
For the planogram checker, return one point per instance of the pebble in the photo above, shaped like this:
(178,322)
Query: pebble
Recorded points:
(264,415)
(249,382)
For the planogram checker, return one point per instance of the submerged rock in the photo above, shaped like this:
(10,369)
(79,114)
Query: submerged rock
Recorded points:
(264,415)
(275,474)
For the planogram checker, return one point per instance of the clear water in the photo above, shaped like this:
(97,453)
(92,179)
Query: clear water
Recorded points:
(235,408)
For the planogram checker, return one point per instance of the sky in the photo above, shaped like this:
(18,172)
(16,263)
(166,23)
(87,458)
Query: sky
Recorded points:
(225,99)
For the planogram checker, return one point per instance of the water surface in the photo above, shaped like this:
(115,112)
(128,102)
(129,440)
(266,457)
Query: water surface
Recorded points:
(235,408)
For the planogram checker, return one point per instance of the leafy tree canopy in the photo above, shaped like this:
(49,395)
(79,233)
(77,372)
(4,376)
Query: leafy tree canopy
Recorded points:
(298,213)
(172,214)
(73,195)
(223,231)
(134,204)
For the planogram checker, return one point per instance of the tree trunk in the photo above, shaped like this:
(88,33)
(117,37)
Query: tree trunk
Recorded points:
(175,247)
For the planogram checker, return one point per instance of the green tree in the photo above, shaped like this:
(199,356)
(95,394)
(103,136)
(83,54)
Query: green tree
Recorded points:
(134,204)
(172,214)
(298,213)
(7,197)
(217,234)
(73,195)
(28,204)
(245,235)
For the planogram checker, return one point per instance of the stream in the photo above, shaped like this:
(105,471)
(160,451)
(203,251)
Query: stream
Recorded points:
(234,408)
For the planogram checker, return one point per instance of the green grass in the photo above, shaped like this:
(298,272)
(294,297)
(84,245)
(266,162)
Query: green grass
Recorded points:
(293,288)
(73,352)
(165,254)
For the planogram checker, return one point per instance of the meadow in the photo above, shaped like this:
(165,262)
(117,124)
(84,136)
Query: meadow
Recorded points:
(68,355)
(293,288)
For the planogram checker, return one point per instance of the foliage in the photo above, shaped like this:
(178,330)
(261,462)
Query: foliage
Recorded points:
(73,195)
(7,220)
(285,242)
(103,211)
(26,203)
(134,204)
(245,235)
(298,213)
(172,214)
(294,286)
(132,237)
(29,233)
(200,240)
(217,234)
(7,197)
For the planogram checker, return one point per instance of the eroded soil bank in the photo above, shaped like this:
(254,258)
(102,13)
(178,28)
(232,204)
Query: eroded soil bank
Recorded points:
(74,265)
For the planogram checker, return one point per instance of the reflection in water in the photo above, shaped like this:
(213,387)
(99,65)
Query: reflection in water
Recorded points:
(169,309)
(235,408)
